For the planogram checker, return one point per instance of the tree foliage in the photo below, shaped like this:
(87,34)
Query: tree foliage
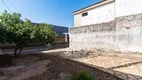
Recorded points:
(22,32)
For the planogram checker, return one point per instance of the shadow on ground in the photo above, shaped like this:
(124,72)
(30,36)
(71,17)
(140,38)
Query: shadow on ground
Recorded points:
(59,66)
(56,68)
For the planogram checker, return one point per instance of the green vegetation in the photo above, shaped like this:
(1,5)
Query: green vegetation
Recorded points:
(22,32)
(83,75)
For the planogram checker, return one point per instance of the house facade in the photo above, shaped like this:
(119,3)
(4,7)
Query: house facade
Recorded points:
(109,25)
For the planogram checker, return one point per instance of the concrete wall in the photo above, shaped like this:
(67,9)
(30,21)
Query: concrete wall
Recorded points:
(115,26)
(129,32)
(97,15)
(122,34)
(93,36)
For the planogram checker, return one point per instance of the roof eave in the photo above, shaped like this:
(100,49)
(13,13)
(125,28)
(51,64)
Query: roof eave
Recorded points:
(101,3)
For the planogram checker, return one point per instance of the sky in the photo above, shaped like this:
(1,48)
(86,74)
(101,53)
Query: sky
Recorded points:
(56,12)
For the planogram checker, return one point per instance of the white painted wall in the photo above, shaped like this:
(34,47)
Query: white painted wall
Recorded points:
(128,7)
(97,15)
(108,12)
(77,20)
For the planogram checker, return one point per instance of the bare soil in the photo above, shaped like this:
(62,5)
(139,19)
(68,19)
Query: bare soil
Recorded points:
(106,61)
(48,67)
(128,65)
(59,68)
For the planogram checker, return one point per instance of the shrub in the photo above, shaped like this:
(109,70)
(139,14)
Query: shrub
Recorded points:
(83,75)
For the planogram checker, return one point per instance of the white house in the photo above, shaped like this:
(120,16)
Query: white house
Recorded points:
(105,11)
(97,13)
(108,24)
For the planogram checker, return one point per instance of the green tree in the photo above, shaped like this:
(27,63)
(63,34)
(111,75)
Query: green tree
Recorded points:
(15,30)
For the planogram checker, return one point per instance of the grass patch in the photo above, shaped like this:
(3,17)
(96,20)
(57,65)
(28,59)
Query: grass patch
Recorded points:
(83,75)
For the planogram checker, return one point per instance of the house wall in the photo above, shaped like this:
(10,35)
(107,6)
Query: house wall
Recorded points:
(124,33)
(128,7)
(108,12)
(97,15)
(77,20)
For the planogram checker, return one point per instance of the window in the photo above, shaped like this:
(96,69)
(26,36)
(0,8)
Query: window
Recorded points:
(84,14)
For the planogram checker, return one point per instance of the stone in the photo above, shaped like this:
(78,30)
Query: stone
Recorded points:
(103,69)
(67,54)
(121,75)
(131,77)
(79,54)
(74,54)
(110,71)
(63,76)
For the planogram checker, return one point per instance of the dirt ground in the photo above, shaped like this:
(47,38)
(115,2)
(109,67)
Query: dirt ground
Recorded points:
(126,65)
(48,67)
(105,61)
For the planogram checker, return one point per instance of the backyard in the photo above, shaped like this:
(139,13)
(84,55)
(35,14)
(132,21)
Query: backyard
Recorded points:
(57,65)
(48,67)
(104,46)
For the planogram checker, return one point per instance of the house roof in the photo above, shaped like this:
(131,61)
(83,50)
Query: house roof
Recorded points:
(98,4)
(58,29)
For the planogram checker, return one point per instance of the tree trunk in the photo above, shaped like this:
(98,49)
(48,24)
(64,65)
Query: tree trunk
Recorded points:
(15,51)
(22,46)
